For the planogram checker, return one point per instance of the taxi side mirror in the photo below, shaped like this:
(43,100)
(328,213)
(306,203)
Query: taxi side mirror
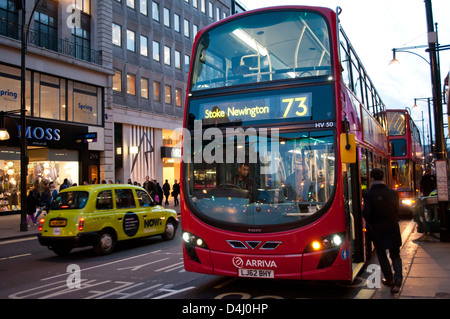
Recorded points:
(348,148)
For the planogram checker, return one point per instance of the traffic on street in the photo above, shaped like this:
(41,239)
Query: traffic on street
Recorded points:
(147,269)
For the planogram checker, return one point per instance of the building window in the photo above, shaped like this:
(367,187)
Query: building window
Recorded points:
(186,28)
(81,38)
(177,59)
(211,10)
(167,17)
(166,55)
(117,34)
(168,94)
(156,91)
(156,56)
(143,7)
(178,100)
(155,11)
(87,104)
(144,46)
(176,22)
(195,3)
(186,63)
(194,30)
(49,97)
(46,25)
(117,81)
(83,5)
(9,19)
(130,4)
(131,84)
(131,43)
(144,88)
(203,6)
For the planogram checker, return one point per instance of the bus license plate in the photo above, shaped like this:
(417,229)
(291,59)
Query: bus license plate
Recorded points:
(256,273)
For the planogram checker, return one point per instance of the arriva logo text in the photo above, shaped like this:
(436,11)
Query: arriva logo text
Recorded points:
(257,263)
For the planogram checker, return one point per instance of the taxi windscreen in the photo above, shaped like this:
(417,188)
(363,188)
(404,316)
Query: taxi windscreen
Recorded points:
(70,200)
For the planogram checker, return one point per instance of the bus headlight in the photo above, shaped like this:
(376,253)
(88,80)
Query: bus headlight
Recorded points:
(194,240)
(408,201)
(324,243)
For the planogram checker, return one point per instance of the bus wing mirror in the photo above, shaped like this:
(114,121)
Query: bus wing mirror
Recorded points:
(348,148)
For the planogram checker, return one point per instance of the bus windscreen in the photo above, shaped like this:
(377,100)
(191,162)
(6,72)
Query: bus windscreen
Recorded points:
(263,47)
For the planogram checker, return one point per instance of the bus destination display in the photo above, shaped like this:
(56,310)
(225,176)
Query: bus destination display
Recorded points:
(263,108)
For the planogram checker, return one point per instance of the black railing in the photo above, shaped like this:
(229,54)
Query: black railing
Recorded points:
(52,43)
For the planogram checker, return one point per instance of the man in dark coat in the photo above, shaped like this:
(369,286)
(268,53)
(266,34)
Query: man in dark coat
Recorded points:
(381,208)
(166,190)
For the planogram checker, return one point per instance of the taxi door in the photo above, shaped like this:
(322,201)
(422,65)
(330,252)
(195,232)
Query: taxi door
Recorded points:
(127,215)
(153,216)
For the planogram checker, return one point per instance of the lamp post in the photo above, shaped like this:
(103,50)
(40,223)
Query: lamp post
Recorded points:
(437,107)
(23,123)
(21,5)
(436,83)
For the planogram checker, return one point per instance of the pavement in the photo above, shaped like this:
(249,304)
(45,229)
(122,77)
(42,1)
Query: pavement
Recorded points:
(426,260)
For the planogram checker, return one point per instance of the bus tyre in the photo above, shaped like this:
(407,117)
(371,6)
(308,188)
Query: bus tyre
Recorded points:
(106,241)
(169,230)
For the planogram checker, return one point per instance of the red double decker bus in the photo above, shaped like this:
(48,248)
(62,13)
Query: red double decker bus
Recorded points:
(406,157)
(280,112)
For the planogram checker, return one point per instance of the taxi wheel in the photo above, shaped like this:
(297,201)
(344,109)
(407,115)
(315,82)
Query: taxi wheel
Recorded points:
(170,229)
(106,240)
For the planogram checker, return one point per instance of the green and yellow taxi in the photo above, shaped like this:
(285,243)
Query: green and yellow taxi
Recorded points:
(101,215)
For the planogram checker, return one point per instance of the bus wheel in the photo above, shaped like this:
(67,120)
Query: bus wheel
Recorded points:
(106,241)
(170,229)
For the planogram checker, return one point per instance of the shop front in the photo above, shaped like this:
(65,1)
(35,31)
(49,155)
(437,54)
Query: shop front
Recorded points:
(56,152)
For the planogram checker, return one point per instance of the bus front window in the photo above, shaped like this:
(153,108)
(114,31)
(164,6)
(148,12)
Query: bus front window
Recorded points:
(402,175)
(262,48)
(283,181)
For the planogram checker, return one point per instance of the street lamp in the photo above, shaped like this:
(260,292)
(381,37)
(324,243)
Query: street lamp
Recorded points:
(394,60)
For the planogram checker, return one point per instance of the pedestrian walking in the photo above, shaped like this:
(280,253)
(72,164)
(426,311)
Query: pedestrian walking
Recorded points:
(381,209)
(149,186)
(176,192)
(32,203)
(427,183)
(166,190)
(159,191)
(64,185)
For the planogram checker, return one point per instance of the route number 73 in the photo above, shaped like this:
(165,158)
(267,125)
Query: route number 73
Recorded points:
(299,103)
